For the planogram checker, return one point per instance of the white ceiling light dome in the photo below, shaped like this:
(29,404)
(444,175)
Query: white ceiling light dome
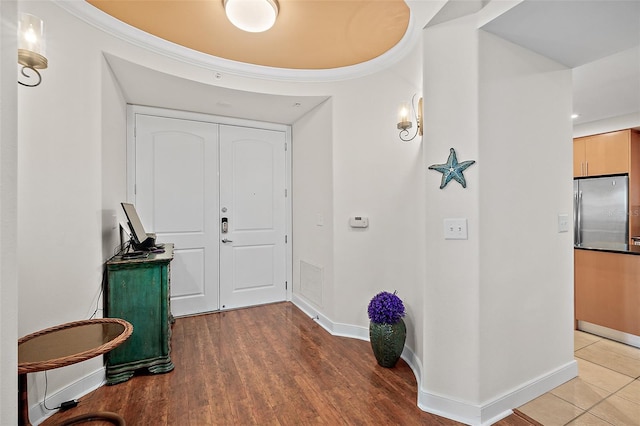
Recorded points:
(254,16)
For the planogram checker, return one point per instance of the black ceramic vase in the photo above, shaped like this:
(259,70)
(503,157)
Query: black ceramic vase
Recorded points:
(387,341)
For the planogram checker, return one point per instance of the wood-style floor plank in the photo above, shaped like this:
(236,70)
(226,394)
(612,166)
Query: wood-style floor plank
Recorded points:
(266,365)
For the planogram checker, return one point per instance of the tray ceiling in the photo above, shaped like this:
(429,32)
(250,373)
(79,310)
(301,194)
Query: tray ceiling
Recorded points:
(308,34)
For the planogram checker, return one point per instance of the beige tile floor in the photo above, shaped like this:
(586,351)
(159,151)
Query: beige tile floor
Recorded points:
(606,391)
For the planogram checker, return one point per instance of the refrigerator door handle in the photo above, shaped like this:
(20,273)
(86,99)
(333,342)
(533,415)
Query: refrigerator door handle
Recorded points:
(579,216)
(575,218)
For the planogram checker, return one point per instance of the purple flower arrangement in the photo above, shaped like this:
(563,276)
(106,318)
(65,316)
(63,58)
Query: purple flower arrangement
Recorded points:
(386,308)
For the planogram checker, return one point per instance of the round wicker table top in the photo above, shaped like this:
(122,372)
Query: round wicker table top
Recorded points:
(70,343)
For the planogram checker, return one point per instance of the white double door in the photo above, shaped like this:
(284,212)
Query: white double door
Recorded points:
(218,192)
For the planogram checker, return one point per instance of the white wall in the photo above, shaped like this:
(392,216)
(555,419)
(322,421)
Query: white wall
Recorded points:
(451,342)
(378,176)
(59,191)
(612,124)
(312,192)
(8,214)
(620,99)
(498,306)
(365,171)
(113,123)
(525,174)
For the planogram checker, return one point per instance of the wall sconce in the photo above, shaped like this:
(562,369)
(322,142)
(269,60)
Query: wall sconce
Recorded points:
(254,16)
(31,47)
(405,120)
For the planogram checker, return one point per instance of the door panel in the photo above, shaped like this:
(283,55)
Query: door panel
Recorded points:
(260,275)
(177,198)
(177,209)
(252,191)
(189,268)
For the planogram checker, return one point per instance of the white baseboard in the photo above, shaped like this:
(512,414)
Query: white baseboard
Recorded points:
(476,415)
(335,329)
(38,413)
(500,407)
(619,336)
(530,390)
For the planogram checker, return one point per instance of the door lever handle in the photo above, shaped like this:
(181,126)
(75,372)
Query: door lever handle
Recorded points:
(226,241)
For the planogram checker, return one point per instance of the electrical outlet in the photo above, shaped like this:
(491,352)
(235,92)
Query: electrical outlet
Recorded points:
(455,229)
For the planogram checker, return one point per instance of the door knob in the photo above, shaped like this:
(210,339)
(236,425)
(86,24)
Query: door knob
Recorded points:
(226,241)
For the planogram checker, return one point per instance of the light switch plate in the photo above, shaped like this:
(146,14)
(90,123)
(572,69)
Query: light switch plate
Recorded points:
(455,229)
(563,222)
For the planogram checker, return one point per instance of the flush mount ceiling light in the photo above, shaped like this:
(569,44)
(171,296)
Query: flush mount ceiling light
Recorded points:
(254,16)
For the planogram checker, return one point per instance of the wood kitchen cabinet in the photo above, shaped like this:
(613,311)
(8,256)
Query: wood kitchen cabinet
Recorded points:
(607,289)
(138,291)
(603,154)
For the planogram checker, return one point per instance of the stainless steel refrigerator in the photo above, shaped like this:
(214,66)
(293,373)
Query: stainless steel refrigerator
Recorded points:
(600,212)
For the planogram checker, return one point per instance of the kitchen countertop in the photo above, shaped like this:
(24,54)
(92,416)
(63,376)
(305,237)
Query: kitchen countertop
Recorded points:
(613,248)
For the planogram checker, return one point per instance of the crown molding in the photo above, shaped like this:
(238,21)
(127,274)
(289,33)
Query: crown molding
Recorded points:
(104,22)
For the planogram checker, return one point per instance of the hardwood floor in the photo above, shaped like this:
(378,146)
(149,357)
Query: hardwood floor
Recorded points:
(267,365)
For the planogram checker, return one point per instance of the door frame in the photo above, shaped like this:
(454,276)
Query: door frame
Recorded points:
(132,110)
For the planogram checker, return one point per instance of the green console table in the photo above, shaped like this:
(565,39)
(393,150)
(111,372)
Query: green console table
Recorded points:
(138,291)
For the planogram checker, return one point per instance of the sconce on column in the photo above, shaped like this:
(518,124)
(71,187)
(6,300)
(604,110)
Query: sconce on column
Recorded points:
(31,48)
(406,114)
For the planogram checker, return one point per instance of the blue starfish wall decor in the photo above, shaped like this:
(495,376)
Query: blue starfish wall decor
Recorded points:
(452,169)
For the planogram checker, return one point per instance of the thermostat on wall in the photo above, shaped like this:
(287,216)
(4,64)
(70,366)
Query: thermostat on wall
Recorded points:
(359,222)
